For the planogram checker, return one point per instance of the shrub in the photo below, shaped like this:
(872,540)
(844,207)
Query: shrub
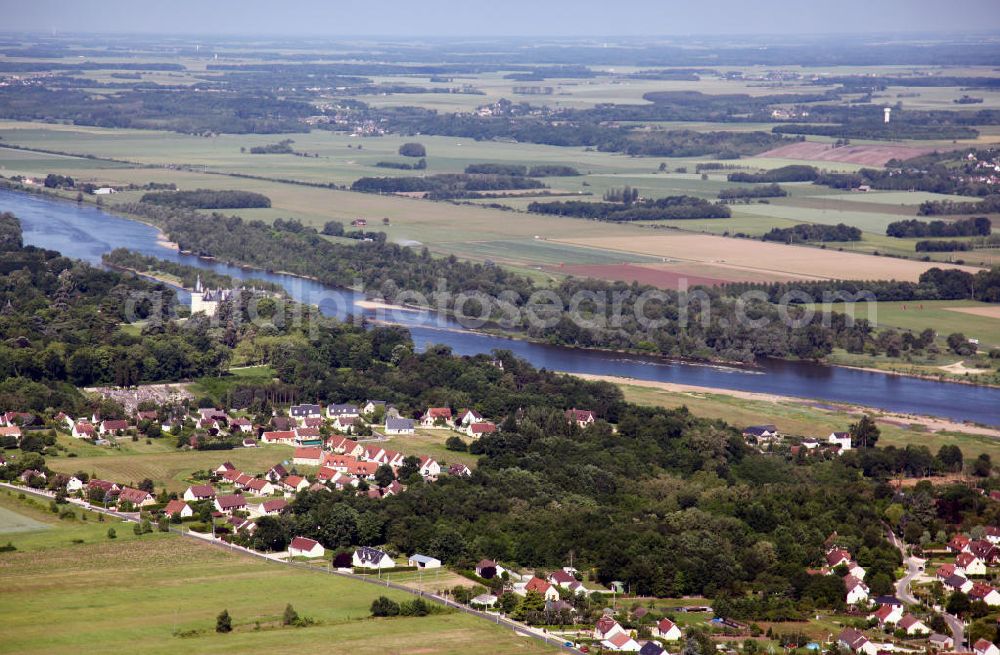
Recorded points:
(112,534)
(224,622)
(383,606)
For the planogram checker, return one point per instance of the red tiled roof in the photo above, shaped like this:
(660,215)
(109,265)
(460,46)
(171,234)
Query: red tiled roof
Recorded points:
(308,453)
(303,543)
(174,507)
(231,501)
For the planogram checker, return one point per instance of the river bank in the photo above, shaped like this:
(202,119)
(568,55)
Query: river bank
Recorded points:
(930,423)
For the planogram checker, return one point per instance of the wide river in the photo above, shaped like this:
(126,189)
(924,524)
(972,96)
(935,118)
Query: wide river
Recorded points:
(86,232)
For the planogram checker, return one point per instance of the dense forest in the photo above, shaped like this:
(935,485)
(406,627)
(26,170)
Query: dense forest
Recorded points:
(520,170)
(207,199)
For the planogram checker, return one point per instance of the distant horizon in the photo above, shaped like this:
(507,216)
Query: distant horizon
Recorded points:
(515,18)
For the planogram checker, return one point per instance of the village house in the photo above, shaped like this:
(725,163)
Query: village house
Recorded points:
(346,424)
(137,497)
(968,564)
(467,417)
(199,492)
(307,456)
(652,648)
(487,569)
(429,468)
(305,547)
(957,583)
(944,571)
(180,508)
(836,557)
(249,442)
(985,593)
(83,430)
(477,430)
(371,558)
(992,532)
(73,485)
(621,642)
(241,425)
(242,480)
(913,626)
(276,473)
(985,647)
(10,419)
(459,470)
(10,431)
(887,615)
(229,503)
(300,412)
(666,629)
(371,406)
(308,437)
(856,642)
(984,550)
(294,483)
(224,467)
(271,507)
(398,426)
(232,477)
(841,439)
(941,643)
(760,432)
(286,437)
(342,410)
(582,417)
(109,489)
(607,627)
(424,561)
(260,487)
(959,543)
(543,587)
(436,417)
(111,427)
(856,591)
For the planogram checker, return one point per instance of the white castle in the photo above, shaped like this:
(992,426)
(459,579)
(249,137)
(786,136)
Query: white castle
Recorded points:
(207,300)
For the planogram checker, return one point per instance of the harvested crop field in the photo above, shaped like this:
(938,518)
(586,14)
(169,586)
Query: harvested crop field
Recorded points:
(987,312)
(743,256)
(664,279)
(866,155)
(665,276)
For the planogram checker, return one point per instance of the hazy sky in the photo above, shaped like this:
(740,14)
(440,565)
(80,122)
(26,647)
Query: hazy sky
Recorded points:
(500,17)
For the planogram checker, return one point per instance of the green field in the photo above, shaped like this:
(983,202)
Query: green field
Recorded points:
(805,419)
(167,466)
(160,593)
(11,521)
(939,315)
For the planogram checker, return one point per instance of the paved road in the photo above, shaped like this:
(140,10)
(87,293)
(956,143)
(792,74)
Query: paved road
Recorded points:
(914,567)
(519,628)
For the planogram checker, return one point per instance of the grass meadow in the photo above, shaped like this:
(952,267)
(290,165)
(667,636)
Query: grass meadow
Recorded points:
(805,419)
(160,593)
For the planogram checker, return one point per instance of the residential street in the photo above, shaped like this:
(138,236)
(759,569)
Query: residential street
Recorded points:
(915,567)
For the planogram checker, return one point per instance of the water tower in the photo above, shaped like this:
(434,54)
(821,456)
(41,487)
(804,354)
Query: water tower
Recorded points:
(888,112)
